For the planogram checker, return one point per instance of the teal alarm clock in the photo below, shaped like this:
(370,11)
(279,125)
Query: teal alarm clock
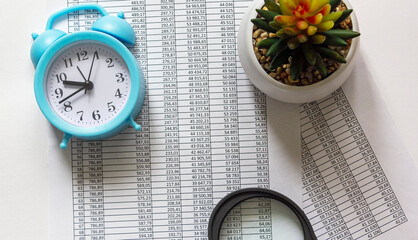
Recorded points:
(88,84)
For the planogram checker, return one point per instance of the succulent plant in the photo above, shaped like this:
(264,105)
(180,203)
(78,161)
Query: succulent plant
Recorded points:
(305,30)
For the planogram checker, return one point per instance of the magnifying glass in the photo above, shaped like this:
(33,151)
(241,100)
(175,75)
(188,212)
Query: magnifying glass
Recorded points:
(256,213)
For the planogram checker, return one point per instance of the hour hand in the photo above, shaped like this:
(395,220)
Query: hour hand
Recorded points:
(88,86)
(74,83)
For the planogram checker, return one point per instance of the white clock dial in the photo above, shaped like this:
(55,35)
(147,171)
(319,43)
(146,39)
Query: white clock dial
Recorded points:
(87,84)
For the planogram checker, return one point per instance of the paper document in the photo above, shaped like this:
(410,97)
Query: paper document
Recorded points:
(206,131)
(359,182)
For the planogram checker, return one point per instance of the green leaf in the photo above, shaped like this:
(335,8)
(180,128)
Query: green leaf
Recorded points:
(330,54)
(335,41)
(320,65)
(266,43)
(309,53)
(274,25)
(296,65)
(334,16)
(277,47)
(281,34)
(344,16)
(273,6)
(268,15)
(342,33)
(334,4)
(263,24)
(279,59)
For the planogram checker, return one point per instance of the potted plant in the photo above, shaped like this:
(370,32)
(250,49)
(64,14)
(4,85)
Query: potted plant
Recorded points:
(298,50)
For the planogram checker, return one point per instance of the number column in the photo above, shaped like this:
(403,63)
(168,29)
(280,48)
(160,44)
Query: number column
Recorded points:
(253,144)
(224,105)
(223,98)
(164,131)
(93,190)
(127,190)
(137,17)
(324,151)
(195,142)
(78,188)
(376,209)
(338,174)
(252,120)
(232,225)
(318,202)
(256,218)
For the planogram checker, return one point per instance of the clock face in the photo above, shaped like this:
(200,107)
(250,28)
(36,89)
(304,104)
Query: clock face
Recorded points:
(87,84)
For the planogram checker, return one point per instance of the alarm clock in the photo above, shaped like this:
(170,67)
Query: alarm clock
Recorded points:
(88,84)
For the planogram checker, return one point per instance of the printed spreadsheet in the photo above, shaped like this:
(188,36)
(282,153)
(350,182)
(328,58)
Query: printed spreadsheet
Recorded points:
(205,133)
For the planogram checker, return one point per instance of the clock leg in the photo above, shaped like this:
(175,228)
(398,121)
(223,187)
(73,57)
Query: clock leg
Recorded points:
(136,126)
(65,140)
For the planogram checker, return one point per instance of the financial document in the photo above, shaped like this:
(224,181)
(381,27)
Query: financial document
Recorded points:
(208,131)
(358,180)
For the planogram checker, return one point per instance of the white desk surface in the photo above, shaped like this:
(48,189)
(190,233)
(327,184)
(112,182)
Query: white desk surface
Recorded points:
(388,43)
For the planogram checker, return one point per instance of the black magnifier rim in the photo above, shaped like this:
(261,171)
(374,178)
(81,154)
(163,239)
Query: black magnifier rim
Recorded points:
(233,199)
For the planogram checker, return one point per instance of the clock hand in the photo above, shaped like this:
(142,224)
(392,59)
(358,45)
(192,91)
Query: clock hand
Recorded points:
(83,76)
(74,83)
(87,86)
(91,67)
(72,94)
(82,73)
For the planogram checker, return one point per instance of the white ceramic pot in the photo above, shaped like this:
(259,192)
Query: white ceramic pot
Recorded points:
(278,90)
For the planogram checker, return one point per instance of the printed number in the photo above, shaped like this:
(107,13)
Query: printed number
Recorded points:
(81,115)
(68,62)
(117,94)
(110,62)
(59,92)
(110,107)
(61,77)
(96,116)
(82,56)
(67,106)
(120,77)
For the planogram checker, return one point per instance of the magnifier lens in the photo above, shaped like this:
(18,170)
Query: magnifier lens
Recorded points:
(261,218)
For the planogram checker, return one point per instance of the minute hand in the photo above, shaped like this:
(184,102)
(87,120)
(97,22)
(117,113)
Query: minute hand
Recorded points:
(72,94)
(91,67)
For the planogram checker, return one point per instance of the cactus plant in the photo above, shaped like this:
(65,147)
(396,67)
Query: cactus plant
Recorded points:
(304,30)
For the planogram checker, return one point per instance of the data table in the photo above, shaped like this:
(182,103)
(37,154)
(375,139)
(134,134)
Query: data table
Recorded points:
(346,192)
(205,135)
(204,131)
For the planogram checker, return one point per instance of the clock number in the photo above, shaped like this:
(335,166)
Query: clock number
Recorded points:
(59,92)
(82,56)
(117,94)
(96,116)
(110,63)
(81,115)
(120,77)
(110,107)
(61,77)
(68,62)
(96,55)
(67,106)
